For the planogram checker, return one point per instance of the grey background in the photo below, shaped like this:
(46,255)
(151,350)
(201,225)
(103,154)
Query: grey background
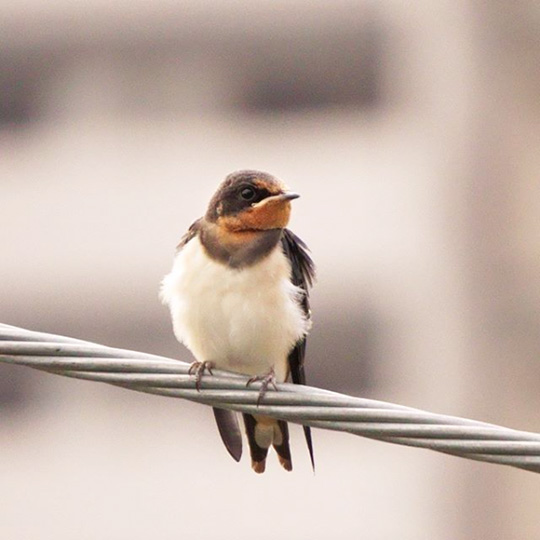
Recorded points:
(411,131)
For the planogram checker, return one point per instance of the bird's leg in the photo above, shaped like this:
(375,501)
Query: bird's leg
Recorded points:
(266,381)
(198,369)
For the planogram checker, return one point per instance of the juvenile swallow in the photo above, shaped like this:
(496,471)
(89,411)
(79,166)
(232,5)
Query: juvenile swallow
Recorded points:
(238,297)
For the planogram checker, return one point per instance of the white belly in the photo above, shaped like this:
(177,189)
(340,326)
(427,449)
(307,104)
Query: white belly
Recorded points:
(243,320)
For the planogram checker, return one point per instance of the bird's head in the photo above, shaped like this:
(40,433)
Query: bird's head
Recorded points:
(250,201)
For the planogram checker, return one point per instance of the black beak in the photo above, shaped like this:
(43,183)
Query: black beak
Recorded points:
(289,196)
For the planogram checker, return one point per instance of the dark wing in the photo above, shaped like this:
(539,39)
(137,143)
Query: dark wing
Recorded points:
(303,275)
(226,420)
(227,423)
(190,234)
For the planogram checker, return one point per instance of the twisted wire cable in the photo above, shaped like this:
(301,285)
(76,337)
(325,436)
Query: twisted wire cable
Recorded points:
(299,404)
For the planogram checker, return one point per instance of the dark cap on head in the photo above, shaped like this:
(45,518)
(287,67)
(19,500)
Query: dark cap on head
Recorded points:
(240,190)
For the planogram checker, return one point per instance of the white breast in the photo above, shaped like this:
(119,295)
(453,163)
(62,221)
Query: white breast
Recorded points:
(244,320)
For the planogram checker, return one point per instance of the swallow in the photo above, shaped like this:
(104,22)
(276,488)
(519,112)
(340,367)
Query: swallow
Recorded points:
(238,298)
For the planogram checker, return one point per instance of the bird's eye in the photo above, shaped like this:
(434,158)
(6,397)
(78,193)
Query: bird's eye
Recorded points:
(248,194)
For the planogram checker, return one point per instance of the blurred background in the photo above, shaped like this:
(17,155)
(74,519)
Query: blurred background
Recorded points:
(411,131)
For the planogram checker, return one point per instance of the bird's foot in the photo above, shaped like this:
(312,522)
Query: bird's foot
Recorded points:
(198,369)
(266,381)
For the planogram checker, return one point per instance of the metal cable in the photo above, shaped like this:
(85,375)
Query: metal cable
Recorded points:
(300,404)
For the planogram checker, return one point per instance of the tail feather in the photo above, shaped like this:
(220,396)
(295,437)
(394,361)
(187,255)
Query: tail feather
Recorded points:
(281,444)
(263,432)
(307,433)
(258,452)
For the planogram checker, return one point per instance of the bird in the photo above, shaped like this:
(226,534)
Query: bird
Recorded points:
(238,295)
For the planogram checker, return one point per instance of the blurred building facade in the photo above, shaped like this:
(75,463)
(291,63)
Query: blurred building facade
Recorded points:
(411,133)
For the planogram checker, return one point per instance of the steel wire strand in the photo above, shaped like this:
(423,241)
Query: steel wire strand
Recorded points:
(299,404)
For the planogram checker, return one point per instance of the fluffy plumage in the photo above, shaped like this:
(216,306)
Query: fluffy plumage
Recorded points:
(237,294)
(241,320)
